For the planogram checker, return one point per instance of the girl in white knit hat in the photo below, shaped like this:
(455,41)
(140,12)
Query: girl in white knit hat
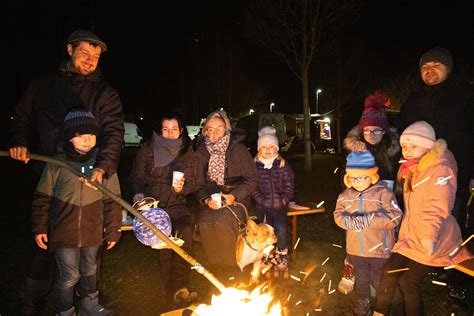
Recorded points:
(429,236)
(274,191)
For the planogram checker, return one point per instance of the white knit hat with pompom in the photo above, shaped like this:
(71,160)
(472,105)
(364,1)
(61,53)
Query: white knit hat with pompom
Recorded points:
(267,136)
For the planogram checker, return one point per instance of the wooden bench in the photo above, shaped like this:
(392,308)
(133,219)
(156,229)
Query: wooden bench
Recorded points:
(466,267)
(295,211)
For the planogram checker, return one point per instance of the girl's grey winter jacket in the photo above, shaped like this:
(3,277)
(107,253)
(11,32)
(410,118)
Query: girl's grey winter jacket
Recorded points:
(72,214)
(378,201)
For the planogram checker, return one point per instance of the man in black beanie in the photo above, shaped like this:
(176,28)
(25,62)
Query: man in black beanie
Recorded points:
(447,104)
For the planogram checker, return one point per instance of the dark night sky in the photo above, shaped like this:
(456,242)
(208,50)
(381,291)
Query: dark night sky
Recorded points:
(151,49)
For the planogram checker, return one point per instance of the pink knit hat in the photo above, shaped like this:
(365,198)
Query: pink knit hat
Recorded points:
(419,133)
(374,111)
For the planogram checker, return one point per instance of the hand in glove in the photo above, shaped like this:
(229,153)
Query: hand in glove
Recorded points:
(359,222)
(429,246)
(138,197)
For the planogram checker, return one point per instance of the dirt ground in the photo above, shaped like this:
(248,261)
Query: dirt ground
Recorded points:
(130,282)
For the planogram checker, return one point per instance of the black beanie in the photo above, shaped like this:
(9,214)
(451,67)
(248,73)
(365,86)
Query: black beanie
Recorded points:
(79,121)
(438,54)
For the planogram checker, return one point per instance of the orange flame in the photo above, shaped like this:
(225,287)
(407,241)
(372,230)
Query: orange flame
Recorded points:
(258,302)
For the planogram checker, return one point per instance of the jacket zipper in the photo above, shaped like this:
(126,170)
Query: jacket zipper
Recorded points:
(80,210)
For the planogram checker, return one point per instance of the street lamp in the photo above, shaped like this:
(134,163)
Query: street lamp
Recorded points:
(317,99)
(271,106)
(251,111)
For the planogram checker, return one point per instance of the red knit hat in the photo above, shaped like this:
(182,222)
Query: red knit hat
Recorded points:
(374,111)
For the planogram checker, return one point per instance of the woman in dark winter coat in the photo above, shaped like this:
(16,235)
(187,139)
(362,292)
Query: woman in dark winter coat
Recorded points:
(226,167)
(169,149)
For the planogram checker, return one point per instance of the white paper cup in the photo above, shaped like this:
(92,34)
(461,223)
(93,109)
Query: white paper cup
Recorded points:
(177,175)
(217,198)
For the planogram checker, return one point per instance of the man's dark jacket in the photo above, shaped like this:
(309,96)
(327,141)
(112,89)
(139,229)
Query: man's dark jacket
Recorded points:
(39,115)
(449,108)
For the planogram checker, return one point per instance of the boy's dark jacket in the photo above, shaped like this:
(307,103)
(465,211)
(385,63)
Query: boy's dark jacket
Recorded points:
(275,186)
(72,214)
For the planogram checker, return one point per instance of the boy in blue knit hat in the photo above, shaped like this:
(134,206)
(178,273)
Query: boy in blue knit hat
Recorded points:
(369,213)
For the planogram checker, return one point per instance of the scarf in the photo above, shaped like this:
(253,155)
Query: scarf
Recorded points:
(268,162)
(216,166)
(405,167)
(76,156)
(165,150)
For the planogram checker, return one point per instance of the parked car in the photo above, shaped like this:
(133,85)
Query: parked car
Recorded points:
(133,136)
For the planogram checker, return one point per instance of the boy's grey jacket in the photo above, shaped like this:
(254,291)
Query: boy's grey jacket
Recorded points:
(379,201)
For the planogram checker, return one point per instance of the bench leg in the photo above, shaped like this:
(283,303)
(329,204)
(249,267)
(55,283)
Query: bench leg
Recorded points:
(294,225)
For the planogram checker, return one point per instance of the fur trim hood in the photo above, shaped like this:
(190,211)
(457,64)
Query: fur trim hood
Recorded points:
(355,134)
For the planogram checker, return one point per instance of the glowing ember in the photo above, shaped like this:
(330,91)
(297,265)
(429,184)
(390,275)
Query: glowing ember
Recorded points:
(231,299)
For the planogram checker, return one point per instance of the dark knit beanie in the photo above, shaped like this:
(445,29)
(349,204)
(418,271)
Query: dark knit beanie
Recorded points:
(374,111)
(438,54)
(86,36)
(79,121)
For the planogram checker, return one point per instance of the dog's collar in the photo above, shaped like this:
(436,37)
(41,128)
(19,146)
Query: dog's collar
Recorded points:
(247,243)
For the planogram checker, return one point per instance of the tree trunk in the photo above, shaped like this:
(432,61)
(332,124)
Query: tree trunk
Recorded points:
(307,119)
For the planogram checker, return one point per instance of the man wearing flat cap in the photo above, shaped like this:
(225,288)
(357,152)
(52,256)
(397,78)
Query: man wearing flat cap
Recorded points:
(37,127)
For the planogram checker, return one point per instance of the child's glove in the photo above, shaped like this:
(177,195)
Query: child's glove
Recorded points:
(359,222)
(429,246)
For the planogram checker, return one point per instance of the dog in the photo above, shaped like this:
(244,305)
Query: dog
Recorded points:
(250,247)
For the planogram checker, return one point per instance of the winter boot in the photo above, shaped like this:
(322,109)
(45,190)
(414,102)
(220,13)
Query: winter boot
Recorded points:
(89,306)
(346,285)
(69,312)
(281,263)
(266,265)
(361,307)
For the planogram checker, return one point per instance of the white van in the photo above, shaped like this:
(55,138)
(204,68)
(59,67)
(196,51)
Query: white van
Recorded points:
(193,130)
(133,136)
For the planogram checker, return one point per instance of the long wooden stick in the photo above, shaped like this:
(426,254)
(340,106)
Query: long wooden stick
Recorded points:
(193,262)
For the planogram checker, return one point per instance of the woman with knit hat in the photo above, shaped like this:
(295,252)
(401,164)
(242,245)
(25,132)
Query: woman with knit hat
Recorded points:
(373,133)
(429,236)
(369,213)
(275,188)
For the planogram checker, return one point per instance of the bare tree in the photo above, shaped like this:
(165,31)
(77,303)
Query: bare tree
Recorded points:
(294,31)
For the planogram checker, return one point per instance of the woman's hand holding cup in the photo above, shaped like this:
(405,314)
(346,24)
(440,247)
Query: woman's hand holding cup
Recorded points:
(178,181)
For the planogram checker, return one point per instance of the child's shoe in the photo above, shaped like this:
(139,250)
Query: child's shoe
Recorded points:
(361,307)
(281,262)
(346,285)
(89,306)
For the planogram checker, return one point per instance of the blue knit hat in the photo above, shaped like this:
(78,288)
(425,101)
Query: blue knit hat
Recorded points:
(361,163)
(360,160)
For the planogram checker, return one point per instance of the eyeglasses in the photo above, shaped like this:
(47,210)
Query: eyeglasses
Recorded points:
(376,132)
(213,130)
(357,179)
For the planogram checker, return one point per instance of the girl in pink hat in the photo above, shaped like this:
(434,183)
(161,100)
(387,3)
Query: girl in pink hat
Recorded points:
(429,237)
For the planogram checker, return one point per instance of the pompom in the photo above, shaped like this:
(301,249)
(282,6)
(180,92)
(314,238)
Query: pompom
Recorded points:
(267,130)
(377,100)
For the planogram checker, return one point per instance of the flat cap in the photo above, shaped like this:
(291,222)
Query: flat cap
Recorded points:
(86,36)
